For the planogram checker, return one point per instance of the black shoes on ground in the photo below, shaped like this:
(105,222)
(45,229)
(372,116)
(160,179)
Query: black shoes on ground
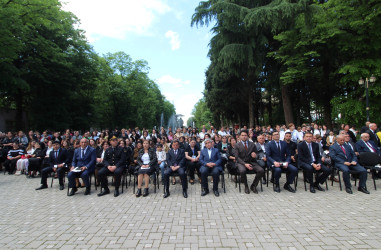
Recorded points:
(42,187)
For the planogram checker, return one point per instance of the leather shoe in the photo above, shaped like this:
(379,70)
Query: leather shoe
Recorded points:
(204,192)
(72,192)
(216,193)
(104,192)
(349,190)
(145,192)
(185,194)
(247,190)
(166,194)
(87,191)
(62,187)
(116,193)
(364,190)
(318,187)
(277,189)
(312,189)
(42,187)
(289,188)
(139,192)
(254,189)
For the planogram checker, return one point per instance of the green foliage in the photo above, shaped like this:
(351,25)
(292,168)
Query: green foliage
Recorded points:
(201,114)
(49,71)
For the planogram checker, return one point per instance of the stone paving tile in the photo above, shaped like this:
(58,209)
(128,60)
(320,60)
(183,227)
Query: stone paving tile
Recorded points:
(48,219)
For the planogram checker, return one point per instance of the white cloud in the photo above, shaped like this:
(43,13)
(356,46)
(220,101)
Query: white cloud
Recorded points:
(174,39)
(116,18)
(168,79)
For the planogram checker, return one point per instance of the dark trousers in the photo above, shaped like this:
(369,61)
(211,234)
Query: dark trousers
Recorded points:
(34,164)
(358,169)
(102,176)
(10,165)
(309,173)
(242,170)
(205,172)
(183,176)
(85,175)
(192,167)
(46,171)
(291,172)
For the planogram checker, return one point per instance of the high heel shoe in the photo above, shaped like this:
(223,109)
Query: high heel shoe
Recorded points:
(145,193)
(139,192)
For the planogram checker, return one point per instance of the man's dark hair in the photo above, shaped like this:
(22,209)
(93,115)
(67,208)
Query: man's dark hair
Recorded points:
(308,133)
(287,133)
(243,131)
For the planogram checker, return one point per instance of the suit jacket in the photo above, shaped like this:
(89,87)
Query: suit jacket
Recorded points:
(338,156)
(215,157)
(242,155)
(260,151)
(152,157)
(115,157)
(176,160)
(373,137)
(88,159)
(62,157)
(352,145)
(362,147)
(272,153)
(304,155)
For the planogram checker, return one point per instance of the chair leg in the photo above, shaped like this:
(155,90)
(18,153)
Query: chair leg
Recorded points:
(338,174)
(223,181)
(304,180)
(51,184)
(239,183)
(267,179)
(134,182)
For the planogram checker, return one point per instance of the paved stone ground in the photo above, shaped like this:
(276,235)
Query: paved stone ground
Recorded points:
(49,219)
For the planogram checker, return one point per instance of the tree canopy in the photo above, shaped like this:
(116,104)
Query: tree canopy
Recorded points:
(49,71)
(287,61)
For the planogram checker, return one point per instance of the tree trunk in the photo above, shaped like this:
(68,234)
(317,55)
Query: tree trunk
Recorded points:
(19,111)
(287,107)
(251,110)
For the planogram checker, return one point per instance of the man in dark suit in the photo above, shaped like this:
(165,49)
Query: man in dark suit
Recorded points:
(245,153)
(309,160)
(350,143)
(346,160)
(279,158)
(114,162)
(261,153)
(83,166)
(210,160)
(372,134)
(369,153)
(58,161)
(176,163)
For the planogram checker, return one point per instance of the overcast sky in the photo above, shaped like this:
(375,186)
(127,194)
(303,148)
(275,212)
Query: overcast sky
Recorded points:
(157,31)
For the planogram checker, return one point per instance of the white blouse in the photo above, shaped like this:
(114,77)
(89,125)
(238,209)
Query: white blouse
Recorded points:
(145,159)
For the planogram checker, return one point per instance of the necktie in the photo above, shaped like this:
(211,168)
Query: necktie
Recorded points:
(56,153)
(278,145)
(342,148)
(310,148)
(246,145)
(83,152)
(370,146)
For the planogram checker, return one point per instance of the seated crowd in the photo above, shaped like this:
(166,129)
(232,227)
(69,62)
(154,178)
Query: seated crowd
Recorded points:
(188,151)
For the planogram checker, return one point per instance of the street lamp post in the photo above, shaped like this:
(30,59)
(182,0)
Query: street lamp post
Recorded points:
(371,79)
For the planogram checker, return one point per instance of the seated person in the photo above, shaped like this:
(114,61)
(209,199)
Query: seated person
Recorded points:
(210,160)
(309,159)
(176,163)
(101,153)
(372,153)
(58,161)
(35,160)
(279,158)
(12,157)
(261,155)
(83,166)
(23,163)
(161,158)
(147,163)
(192,156)
(231,165)
(114,162)
(345,159)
